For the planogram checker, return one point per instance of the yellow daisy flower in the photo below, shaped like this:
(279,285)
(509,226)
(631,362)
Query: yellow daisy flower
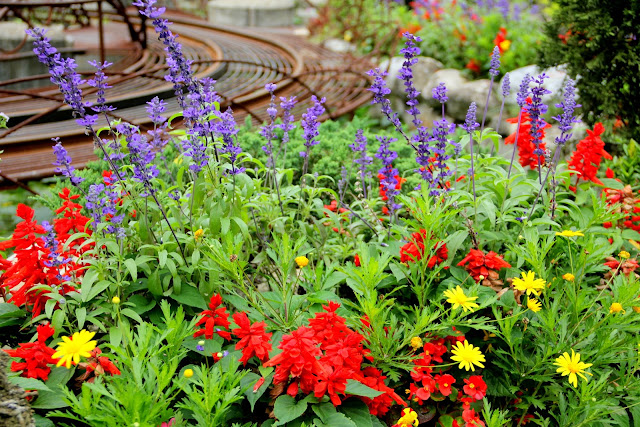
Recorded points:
(534,305)
(572,366)
(409,418)
(624,254)
(569,233)
(198,233)
(467,355)
(569,277)
(529,283)
(188,373)
(459,299)
(302,261)
(115,300)
(71,349)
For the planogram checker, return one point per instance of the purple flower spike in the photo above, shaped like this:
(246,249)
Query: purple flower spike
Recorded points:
(99,81)
(63,161)
(310,127)
(523,93)
(227,128)
(410,52)
(380,91)
(389,182)
(495,62)
(567,119)
(537,109)
(440,93)
(506,86)
(359,147)
(470,123)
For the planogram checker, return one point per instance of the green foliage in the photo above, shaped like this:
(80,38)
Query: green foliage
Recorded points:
(599,43)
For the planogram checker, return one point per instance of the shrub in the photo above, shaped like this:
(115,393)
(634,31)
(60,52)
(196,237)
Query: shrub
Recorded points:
(598,41)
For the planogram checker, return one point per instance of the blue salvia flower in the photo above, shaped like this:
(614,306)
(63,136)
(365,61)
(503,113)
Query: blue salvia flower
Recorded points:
(410,51)
(155,108)
(54,259)
(227,128)
(286,126)
(180,73)
(440,94)
(470,125)
(494,69)
(380,91)
(99,81)
(567,119)
(63,75)
(310,127)
(140,155)
(359,147)
(95,203)
(63,163)
(389,181)
(196,148)
(536,111)
(267,130)
(521,99)
(506,89)
(504,7)
(441,129)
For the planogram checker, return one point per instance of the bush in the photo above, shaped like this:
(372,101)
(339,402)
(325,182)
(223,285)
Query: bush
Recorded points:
(598,40)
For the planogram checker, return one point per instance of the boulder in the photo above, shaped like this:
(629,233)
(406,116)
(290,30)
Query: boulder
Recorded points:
(14,408)
(422,72)
(338,46)
(557,76)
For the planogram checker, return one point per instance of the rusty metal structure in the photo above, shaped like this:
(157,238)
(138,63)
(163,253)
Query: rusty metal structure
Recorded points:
(241,61)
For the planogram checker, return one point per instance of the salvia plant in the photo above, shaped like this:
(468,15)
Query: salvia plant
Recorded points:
(192,276)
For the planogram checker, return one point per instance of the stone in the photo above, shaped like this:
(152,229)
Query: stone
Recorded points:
(14,408)
(252,13)
(422,72)
(557,76)
(339,46)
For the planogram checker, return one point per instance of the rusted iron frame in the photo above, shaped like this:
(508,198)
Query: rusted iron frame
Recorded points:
(15,49)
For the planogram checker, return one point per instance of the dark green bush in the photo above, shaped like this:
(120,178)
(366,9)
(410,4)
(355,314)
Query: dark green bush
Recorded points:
(598,40)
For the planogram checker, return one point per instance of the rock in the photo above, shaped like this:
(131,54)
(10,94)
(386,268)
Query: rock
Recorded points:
(252,13)
(14,408)
(339,46)
(422,72)
(554,83)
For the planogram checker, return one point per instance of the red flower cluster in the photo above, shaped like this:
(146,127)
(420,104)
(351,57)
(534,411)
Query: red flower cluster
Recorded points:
(525,141)
(473,65)
(97,365)
(628,266)
(33,261)
(441,385)
(319,359)
(483,265)
(212,318)
(36,355)
(588,155)
(333,207)
(414,250)
(254,341)
(626,202)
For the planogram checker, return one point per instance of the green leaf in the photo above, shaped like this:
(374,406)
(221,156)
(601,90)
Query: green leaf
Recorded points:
(191,297)
(87,282)
(8,310)
(49,400)
(249,381)
(358,389)
(132,267)
(154,284)
(287,409)
(357,411)
(162,258)
(131,314)
(612,183)
(42,421)
(81,315)
(57,319)
(29,383)
(115,336)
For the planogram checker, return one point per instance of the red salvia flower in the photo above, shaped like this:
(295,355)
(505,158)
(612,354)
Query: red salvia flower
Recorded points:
(413,251)
(588,155)
(331,381)
(475,387)
(254,341)
(36,355)
(525,141)
(213,318)
(378,406)
(483,265)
